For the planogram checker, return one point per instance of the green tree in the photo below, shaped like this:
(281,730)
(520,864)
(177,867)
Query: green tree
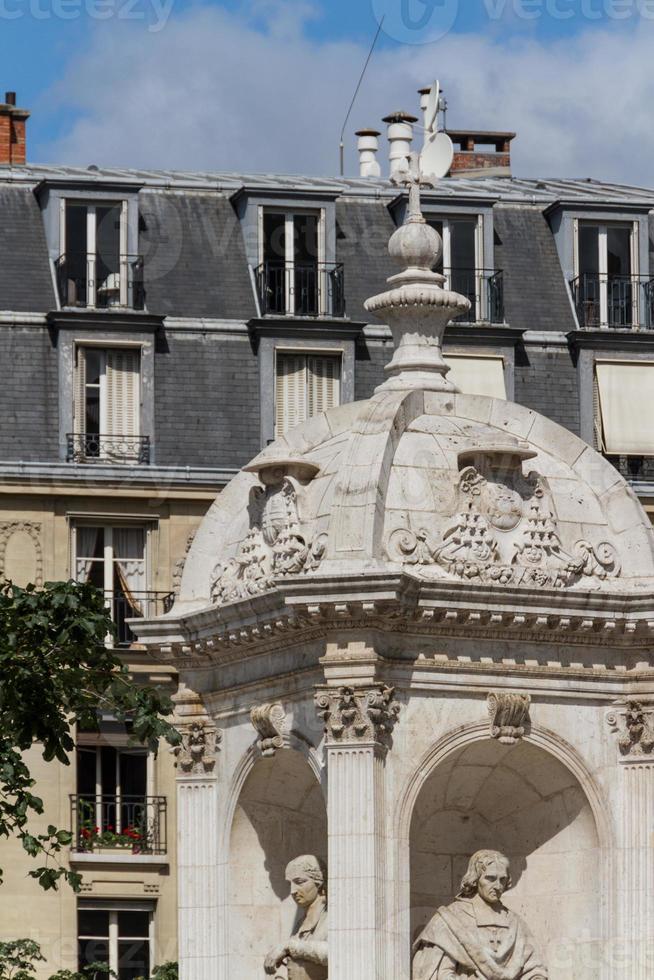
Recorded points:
(56,672)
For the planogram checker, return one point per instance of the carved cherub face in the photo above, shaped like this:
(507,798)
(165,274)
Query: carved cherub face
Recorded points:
(304,890)
(493,882)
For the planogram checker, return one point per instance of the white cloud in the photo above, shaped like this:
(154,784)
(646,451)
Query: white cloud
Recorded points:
(217,91)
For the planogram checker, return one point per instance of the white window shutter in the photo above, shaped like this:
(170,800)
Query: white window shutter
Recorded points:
(324,383)
(79,395)
(123,392)
(290,392)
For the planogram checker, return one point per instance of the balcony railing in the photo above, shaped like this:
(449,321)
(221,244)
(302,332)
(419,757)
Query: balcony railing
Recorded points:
(126,823)
(95,447)
(485,290)
(85,280)
(303,289)
(617,302)
(136,605)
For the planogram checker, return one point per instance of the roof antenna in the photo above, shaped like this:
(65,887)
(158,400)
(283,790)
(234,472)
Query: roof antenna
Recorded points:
(356,92)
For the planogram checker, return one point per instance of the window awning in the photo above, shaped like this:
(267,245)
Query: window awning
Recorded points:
(626,406)
(478,374)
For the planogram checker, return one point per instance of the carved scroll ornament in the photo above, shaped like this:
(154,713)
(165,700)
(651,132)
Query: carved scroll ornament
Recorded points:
(269,721)
(509,715)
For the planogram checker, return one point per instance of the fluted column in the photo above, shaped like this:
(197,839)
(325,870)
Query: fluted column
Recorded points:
(634,724)
(197,849)
(358,726)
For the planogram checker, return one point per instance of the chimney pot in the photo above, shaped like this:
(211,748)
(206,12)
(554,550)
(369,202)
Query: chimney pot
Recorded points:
(400,135)
(368,145)
(10,98)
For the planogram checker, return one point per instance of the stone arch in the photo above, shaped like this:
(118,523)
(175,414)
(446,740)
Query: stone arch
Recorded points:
(537,802)
(276,811)
(21,553)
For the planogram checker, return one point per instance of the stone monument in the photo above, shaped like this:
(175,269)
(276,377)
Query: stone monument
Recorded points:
(414,628)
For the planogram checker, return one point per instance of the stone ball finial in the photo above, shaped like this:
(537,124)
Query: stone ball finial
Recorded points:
(416,245)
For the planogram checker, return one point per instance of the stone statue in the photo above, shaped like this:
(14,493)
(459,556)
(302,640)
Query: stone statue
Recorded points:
(304,956)
(477,936)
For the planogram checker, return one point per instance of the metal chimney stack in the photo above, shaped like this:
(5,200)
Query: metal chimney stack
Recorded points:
(368,145)
(400,136)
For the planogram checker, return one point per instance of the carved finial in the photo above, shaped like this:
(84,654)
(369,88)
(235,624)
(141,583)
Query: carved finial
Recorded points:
(414,179)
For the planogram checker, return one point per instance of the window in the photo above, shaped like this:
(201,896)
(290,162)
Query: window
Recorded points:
(113,558)
(94,268)
(293,278)
(607,284)
(462,262)
(624,406)
(306,384)
(106,410)
(119,937)
(477,375)
(112,805)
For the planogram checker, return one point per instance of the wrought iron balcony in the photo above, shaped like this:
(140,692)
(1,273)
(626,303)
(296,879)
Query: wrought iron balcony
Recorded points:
(85,280)
(302,289)
(616,302)
(485,290)
(135,605)
(128,823)
(95,447)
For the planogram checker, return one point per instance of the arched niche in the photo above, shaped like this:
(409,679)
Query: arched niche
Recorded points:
(523,801)
(280,814)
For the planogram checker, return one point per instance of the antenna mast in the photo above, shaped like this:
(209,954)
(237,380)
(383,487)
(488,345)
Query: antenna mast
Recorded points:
(341,145)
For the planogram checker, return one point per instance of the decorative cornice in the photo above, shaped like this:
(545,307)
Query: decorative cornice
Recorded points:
(634,724)
(509,715)
(269,721)
(357,715)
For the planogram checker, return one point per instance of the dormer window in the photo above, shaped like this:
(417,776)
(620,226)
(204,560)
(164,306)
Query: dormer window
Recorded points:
(94,268)
(462,265)
(607,287)
(293,278)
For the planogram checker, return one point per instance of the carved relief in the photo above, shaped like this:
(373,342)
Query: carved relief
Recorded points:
(31,530)
(197,753)
(358,714)
(504,532)
(180,564)
(275,544)
(509,714)
(634,724)
(269,721)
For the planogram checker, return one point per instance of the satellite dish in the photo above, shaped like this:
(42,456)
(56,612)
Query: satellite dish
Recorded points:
(437,155)
(433,104)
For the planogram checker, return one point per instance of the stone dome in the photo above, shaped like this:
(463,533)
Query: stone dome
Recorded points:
(421,481)
(438,485)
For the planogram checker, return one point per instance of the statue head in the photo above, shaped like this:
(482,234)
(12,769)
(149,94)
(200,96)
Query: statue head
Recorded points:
(488,876)
(308,879)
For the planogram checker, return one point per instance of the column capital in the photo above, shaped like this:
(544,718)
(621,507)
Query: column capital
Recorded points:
(358,715)
(200,739)
(633,722)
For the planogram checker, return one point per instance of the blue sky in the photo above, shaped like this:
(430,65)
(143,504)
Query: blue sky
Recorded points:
(264,84)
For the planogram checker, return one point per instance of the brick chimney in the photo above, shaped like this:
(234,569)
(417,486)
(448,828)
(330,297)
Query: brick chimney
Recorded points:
(12,131)
(481,153)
